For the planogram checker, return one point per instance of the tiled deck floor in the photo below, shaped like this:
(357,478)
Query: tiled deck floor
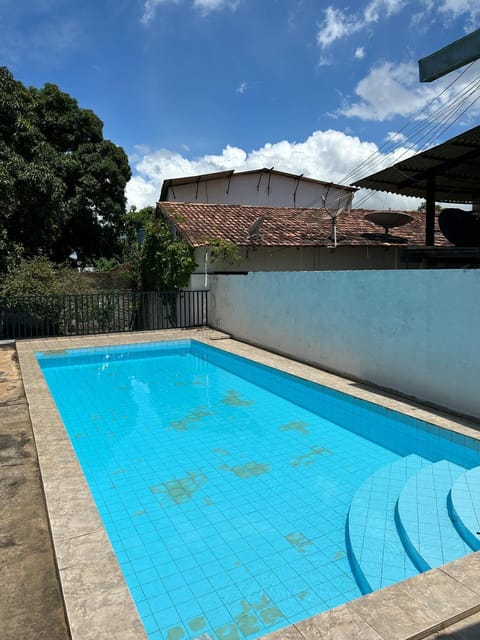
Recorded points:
(97,600)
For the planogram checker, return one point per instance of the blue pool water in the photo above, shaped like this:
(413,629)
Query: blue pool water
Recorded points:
(225,486)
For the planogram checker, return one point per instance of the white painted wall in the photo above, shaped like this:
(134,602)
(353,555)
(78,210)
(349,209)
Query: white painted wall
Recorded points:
(260,189)
(414,331)
(297,259)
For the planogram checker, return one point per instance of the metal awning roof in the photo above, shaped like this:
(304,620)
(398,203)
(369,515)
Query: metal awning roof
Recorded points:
(452,169)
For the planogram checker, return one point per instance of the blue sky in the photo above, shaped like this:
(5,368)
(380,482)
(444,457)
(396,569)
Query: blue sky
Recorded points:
(192,86)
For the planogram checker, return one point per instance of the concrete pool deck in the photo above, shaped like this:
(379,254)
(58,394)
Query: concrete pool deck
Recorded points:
(97,601)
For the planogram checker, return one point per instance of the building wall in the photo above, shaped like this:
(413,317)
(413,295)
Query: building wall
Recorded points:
(297,259)
(413,331)
(260,189)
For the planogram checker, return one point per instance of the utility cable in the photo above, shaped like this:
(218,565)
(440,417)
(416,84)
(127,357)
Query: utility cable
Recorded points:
(443,112)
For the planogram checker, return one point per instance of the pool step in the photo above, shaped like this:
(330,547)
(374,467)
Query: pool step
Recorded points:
(464,506)
(423,519)
(377,555)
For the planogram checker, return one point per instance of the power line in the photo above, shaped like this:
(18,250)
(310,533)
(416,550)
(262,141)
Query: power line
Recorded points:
(424,129)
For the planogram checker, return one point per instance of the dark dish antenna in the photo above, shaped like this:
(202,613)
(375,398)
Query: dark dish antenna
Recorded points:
(253,232)
(388,219)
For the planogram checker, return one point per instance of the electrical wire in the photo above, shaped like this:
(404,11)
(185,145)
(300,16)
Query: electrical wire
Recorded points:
(443,118)
(466,98)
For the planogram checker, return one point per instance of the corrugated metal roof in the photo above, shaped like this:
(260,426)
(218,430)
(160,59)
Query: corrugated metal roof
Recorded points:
(200,223)
(455,164)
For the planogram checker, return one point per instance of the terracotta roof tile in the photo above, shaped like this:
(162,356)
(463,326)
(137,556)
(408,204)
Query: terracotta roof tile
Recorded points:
(200,223)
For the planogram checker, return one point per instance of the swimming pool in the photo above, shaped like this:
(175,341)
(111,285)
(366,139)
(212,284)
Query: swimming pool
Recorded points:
(227,505)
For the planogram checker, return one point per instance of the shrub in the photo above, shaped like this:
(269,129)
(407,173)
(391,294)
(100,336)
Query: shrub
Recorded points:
(40,277)
(34,296)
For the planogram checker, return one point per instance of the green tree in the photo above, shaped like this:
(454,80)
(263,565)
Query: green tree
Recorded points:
(166,262)
(62,186)
(10,253)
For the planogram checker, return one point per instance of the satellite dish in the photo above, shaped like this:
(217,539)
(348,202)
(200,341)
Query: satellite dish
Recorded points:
(461,227)
(253,232)
(388,219)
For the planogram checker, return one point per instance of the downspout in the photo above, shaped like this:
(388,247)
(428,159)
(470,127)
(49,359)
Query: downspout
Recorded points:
(205,280)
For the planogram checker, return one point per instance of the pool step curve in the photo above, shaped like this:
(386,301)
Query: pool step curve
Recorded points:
(423,518)
(377,555)
(410,516)
(464,504)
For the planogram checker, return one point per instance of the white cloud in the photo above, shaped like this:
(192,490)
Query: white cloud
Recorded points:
(242,87)
(445,11)
(389,90)
(382,8)
(212,5)
(335,25)
(326,155)
(359,53)
(339,24)
(150,8)
(397,137)
(394,90)
(204,6)
(456,8)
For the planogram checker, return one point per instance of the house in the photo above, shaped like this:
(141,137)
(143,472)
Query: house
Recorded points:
(260,187)
(233,238)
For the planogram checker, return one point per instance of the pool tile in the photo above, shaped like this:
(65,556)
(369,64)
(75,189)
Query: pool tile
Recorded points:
(232,530)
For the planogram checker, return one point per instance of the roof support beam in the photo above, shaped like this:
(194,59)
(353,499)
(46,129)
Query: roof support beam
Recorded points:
(430,213)
(453,56)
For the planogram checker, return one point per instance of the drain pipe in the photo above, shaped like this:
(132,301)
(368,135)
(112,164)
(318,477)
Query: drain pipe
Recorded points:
(205,280)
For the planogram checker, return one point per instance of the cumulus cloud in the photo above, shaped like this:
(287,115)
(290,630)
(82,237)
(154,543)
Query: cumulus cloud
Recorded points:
(325,155)
(204,6)
(393,90)
(398,93)
(359,53)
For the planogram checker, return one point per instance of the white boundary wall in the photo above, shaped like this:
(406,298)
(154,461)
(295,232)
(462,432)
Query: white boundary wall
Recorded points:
(413,331)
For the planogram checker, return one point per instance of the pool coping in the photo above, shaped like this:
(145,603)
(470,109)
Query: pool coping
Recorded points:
(97,599)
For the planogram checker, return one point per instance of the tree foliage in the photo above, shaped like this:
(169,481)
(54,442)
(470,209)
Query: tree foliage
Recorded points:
(40,277)
(10,253)
(62,186)
(224,251)
(166,262)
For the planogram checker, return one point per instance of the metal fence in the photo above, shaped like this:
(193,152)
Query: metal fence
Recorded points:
(108,312)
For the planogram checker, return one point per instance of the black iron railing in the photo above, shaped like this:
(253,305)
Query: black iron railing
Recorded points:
(107,312)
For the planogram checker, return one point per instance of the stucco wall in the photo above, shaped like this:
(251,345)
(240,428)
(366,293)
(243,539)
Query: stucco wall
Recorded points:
(414,331)
(298,259)
(261,189)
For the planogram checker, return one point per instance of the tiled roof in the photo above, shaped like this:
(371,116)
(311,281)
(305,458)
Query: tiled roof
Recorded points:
(199,223)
